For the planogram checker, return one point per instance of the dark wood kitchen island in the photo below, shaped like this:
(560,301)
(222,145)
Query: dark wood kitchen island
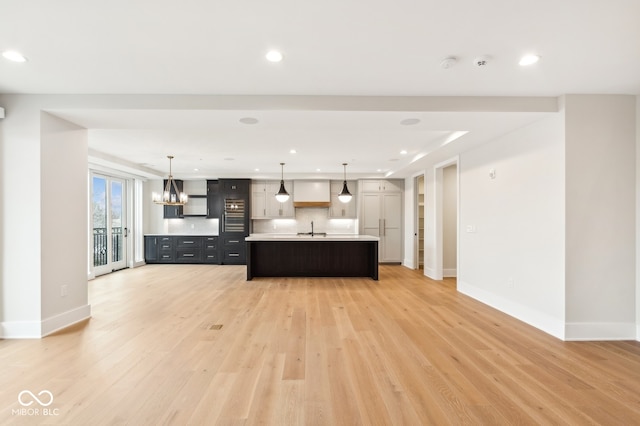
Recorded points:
(278,255)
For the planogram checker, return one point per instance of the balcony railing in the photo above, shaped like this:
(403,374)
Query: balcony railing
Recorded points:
(100,245)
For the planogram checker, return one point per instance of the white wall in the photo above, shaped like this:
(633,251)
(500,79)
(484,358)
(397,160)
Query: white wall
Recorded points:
(64,223)
(637,217)
(600,216)
(514,258)
(20,218)
(50,164)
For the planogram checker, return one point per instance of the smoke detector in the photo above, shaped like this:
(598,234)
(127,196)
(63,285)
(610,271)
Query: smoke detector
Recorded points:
(448,62)
(481,61)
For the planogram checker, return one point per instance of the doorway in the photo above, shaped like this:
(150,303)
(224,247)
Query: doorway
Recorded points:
(419,225)
(450,221)
(108,224)
(446,212)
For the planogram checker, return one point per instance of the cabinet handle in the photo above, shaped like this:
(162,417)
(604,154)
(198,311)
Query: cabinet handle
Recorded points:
(234,241)
(187,242)
(188,255)
(165,256)
(234,254)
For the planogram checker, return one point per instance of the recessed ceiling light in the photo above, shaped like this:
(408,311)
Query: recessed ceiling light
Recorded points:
(410,121)
(257,170)
(229,159)
(403,152)
(528,60)
(293,151)
(249,120)
(14,56)
(317,170)
(274,56)
(196,170)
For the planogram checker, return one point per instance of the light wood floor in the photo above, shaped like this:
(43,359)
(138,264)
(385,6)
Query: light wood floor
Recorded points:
(401,351)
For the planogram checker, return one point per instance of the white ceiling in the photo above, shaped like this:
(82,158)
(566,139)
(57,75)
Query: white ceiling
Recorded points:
(331,48)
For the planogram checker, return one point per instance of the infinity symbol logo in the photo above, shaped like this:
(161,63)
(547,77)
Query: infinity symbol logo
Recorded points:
(42,392)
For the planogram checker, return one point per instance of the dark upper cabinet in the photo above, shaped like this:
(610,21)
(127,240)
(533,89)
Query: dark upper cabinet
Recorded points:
(230,187)
(214,200)
(173,212)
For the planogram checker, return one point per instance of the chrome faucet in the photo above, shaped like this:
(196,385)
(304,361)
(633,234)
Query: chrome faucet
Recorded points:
(312,228)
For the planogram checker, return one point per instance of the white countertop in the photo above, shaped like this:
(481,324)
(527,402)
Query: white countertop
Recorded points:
(306,237)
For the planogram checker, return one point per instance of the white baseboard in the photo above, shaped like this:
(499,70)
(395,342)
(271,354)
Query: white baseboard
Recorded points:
(65,319)
(601,331)
(20,330)
(450,272)
(430,273)
(39,329)
(409,263)
(537,319)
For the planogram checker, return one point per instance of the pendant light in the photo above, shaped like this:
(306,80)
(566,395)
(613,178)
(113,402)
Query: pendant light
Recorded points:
(344,195)
(171,195)
(282,195)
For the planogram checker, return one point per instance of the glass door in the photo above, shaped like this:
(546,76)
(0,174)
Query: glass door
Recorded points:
(108,224)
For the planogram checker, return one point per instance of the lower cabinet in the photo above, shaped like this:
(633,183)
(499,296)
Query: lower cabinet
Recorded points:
(180,249)
(210,254)
(234,250)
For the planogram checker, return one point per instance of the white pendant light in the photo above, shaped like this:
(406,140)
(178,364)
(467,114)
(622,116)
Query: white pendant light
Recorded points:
(344,195)
(169,198)
(282,195)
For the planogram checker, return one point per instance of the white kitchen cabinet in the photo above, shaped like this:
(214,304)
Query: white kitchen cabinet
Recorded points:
(382,185)
(264,204)
(381,216)
(339,209)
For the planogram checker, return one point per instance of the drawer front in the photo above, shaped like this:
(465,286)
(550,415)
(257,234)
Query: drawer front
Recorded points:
(189,255)
(210,257)
(233,241)
(234,255)
(189,242)
(211,243)
(166,256)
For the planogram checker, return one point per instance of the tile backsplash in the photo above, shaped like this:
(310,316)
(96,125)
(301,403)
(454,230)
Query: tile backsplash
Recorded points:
(191,226)
(302,223)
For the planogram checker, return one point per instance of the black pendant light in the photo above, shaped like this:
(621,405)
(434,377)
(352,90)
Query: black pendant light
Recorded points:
(344,195)
(282,195)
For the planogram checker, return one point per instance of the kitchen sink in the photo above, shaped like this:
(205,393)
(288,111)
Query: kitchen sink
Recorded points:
(312,234)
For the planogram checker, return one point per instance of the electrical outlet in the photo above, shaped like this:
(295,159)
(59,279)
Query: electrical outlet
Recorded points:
(64,290)
(510,282)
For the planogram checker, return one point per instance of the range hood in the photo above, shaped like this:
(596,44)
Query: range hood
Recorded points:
(311,193)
